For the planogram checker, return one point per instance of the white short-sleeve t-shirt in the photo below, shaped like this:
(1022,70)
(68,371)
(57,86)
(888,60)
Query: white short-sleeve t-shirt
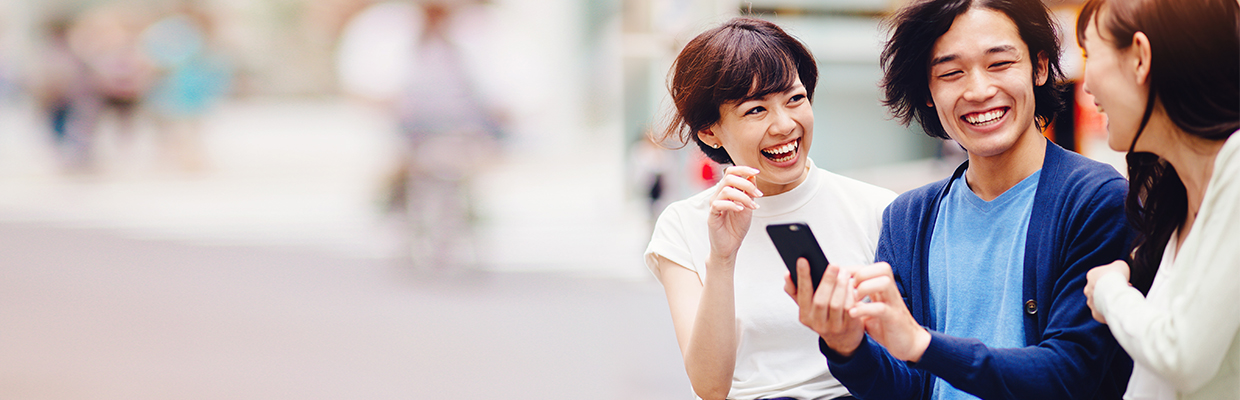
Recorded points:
(777,355)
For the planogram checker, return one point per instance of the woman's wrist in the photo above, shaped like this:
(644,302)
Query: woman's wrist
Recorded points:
(716,262)
(1108,284)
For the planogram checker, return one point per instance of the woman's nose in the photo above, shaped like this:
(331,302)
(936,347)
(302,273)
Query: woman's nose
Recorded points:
(783,122)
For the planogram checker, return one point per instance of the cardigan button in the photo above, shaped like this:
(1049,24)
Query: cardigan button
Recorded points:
(1031,307)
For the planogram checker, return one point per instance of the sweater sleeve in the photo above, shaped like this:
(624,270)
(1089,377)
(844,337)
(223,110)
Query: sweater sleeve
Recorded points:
(1183,333)
(872,372)
(1074,351)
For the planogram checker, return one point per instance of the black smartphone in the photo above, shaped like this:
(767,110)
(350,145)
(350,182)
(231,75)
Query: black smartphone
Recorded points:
(794,241)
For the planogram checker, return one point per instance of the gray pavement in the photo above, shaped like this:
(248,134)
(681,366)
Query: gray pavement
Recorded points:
(85,314)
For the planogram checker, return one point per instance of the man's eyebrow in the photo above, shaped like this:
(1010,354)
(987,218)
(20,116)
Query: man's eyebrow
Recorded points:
(1002,49)
(952,57)
(943,59)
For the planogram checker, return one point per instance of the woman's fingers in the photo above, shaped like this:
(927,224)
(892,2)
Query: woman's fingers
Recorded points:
(1091,280)
(732,194)
(742,179)
(741,171)
(737,190)
(726,205)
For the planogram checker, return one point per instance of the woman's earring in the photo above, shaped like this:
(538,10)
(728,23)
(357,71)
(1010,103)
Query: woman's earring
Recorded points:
(714,146)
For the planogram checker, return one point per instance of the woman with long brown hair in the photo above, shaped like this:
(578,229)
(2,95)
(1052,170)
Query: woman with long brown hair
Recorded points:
(1167,74)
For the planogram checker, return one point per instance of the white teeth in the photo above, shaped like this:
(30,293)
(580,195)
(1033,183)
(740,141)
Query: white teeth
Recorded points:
(983,118)
(782,153)
(791,146)
(784,158)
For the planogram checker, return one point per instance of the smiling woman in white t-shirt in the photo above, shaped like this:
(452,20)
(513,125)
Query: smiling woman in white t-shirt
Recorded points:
(742,92)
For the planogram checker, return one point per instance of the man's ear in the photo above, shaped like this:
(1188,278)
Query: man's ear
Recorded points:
(1042,73)
(1141,55)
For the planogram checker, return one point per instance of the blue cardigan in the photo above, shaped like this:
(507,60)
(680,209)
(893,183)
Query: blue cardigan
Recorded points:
(1077,223)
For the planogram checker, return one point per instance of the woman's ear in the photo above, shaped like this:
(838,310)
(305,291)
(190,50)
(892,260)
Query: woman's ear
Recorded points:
(1141,56)
(708,137)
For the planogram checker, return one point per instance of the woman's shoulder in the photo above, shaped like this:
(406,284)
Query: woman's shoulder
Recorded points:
(697,203)
(691,211)
(856,190)
(1228,158)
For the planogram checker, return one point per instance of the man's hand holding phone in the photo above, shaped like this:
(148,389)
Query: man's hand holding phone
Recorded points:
(826,310)
(887,319)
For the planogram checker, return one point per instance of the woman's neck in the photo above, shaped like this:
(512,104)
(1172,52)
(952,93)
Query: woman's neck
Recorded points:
(1192,157)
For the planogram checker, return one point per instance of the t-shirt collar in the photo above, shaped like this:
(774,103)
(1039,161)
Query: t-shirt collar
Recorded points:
(786,202)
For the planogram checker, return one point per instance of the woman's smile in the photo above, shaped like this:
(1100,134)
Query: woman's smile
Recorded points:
(782,153)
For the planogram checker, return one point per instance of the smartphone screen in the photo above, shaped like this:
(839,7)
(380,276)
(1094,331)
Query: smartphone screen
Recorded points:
(795,241)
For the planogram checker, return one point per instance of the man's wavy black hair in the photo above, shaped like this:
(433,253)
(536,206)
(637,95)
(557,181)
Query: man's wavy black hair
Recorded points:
(915,28)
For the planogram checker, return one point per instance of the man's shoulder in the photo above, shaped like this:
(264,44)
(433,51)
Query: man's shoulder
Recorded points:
(1079,167)
(1074,174)
(916,200)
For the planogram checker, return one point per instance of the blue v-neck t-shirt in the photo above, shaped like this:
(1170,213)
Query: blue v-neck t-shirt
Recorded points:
(976,267)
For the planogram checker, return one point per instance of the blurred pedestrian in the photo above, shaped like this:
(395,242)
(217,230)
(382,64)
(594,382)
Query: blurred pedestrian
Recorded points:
(650,174)
(105,38)
(452,135)
(68,97)
(192,78)
(451,132)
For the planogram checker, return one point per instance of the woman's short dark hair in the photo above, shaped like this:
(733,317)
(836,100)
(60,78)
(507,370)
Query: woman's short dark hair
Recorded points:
(915,28)
(1195,75)
(743,59)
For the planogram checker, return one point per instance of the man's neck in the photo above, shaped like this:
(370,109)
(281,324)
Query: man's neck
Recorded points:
(991,176)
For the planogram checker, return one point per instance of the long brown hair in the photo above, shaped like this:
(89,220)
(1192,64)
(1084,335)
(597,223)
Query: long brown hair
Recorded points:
(1195,76)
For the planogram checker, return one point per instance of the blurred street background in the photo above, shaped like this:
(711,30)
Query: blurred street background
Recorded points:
(356,199)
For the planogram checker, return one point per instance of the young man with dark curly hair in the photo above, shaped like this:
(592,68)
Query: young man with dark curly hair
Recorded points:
(978,287)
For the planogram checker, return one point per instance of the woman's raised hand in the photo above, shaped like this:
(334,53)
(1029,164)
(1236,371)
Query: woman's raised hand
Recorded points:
(731,211)
(1091,282)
